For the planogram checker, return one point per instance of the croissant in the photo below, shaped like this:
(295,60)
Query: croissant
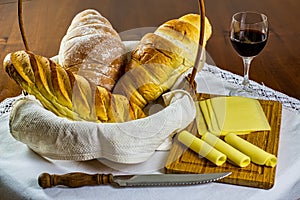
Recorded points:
(89,34)
(160,58)
(67,94)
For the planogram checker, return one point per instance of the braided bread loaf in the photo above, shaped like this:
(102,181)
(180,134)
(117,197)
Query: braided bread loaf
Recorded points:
(160,58)
(93,49)
(67,94)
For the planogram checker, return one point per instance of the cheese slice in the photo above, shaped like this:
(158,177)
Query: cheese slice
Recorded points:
(235,156)
(202,148)
(234,114)
(206,114)
(257,155)
(200,121)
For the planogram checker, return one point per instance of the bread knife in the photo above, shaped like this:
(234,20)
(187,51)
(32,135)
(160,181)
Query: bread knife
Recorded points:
(78,179)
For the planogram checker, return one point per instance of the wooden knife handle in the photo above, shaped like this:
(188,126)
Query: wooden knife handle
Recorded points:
(75,179)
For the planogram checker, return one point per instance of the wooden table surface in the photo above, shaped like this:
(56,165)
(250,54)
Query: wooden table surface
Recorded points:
(278,66)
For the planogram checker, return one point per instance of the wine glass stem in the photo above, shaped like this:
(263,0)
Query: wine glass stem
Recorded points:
(247,63)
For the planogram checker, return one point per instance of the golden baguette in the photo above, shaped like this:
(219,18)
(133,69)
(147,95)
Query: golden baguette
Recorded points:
(67,94)
(160,58)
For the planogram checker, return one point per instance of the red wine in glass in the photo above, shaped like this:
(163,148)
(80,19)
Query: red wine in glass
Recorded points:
(248,43)
(248,36)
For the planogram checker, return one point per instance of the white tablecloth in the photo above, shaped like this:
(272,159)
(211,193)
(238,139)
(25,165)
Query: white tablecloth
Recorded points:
(20,167)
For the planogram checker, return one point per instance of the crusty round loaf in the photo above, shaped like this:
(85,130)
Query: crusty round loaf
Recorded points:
(93,49)
(88,17)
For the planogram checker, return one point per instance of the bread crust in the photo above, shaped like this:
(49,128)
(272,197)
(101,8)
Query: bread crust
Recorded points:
(93,49)
(67,94)
(92,64)
(160,58)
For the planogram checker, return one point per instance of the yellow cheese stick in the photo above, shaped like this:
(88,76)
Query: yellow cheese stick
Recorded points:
(232,154)
(202,148)
(257,155)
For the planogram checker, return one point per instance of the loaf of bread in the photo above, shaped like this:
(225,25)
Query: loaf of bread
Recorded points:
(67,94)
(93,49)
(91,54)
(160,58)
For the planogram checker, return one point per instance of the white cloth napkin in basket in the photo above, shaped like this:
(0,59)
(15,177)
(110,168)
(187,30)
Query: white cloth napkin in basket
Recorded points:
(130,142)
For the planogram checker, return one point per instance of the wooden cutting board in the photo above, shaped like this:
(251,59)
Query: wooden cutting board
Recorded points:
(183,160)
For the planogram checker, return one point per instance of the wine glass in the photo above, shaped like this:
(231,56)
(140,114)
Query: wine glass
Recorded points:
(248,35)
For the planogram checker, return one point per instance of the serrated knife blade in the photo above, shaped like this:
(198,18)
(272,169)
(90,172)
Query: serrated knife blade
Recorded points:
(78,179)
(167,179)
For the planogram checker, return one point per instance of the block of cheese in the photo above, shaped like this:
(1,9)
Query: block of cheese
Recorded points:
(235,156)
(202,148)
(234,114)
(257,155)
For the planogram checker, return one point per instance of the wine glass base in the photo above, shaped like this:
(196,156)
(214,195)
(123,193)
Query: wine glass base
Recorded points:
(243,92)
